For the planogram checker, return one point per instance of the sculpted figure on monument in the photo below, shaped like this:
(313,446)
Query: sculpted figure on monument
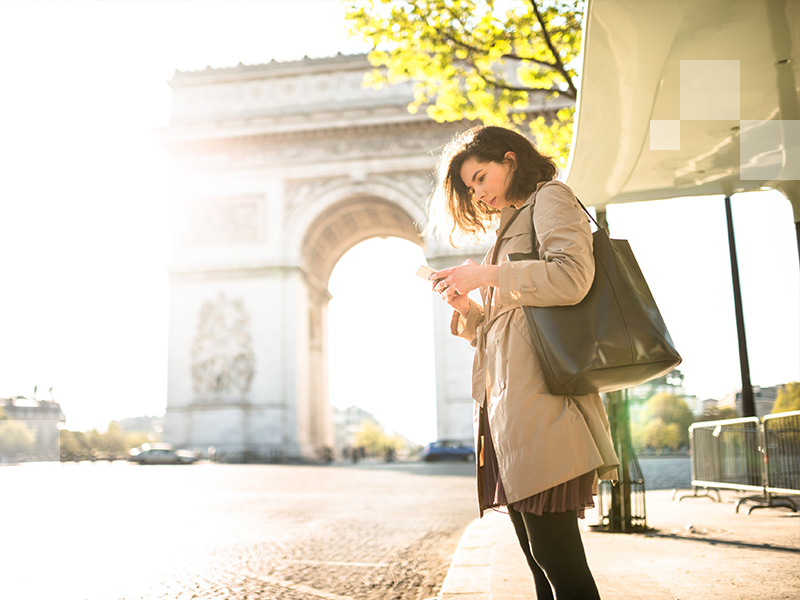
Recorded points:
(222,354)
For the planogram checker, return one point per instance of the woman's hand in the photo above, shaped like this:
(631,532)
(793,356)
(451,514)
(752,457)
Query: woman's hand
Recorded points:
(455,283)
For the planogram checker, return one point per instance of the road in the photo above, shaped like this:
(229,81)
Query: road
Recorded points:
(121,531)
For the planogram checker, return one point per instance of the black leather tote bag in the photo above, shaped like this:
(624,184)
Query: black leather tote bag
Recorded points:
(615,338)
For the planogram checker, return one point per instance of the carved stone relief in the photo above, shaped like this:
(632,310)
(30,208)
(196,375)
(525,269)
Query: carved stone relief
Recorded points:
(222,353)
(222,220)
(273,92)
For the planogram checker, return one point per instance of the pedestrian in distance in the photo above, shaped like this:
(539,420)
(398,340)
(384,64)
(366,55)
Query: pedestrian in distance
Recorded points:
(538,454)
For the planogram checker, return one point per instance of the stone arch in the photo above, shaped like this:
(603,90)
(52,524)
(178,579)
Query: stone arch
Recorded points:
(395,199)
(340,221)
(347,223)
(301,183)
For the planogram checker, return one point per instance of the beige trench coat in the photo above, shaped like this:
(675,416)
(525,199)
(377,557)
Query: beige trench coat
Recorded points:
(541,440)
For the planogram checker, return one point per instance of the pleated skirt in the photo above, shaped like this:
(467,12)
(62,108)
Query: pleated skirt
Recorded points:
(575,494)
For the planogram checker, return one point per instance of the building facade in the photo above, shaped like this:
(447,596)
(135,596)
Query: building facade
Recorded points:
(42,419)
(763,398)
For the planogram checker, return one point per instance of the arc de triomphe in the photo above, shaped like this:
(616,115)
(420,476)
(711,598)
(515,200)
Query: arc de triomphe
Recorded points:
(278,170)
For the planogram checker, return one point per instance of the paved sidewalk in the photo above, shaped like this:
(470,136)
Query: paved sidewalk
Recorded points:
(697,549)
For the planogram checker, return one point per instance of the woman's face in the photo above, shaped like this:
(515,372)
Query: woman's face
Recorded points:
(489,181)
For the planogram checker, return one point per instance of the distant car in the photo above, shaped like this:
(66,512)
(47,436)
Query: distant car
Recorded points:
(163,456)
(447,450)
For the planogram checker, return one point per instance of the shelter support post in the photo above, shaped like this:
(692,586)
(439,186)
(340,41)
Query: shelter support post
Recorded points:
(622,505)
(621,494)
(602,217)
(748,404)
(780,37)
(791,189)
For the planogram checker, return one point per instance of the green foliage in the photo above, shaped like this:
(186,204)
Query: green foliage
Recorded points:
(374,440)
(671,409)
(478,59)
(15,438)
(659,435)
(788,398)
(113,443)
(667,426)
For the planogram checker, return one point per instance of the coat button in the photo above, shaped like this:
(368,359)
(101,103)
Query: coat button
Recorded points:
(502,385)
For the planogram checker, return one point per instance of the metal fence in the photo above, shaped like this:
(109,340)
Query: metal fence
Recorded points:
(748,455)
(782,453)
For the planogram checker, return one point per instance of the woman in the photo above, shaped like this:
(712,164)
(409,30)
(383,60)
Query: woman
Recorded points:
(538,454)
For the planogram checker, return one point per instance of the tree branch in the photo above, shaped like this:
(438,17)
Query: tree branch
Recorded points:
(504,86)
(556,57)
(466,46)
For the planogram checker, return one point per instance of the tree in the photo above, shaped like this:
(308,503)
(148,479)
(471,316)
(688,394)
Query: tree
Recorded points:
(480,60)
(671,409)
(669,418)
(73,445)
(375,440)
(659,435)
(113,443)
(788,398)
(15,439)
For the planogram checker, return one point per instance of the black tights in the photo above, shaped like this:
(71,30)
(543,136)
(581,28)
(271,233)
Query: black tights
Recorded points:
(552,545)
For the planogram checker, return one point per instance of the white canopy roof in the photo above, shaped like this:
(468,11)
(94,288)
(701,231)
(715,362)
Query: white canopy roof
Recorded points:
(714,82)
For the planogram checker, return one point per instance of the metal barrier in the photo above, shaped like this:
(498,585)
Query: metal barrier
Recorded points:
(782,451)
(748,455)
(726,454)
(628,513)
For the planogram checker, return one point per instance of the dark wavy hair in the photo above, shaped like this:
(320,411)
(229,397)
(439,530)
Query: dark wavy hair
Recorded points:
(487,144)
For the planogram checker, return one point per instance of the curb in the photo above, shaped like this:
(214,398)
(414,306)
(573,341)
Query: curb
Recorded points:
(469,575)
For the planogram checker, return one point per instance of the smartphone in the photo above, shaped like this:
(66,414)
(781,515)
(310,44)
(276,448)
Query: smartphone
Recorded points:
(425,272)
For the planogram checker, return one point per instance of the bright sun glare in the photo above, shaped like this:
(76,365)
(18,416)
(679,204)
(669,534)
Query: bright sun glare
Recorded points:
(85,215)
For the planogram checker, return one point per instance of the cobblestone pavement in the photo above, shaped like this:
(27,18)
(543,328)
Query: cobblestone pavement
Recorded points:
(667,472)
(339,532)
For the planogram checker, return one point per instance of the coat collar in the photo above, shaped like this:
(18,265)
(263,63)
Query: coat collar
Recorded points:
(509,213)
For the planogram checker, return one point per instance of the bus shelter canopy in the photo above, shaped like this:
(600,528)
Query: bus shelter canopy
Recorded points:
(687,98)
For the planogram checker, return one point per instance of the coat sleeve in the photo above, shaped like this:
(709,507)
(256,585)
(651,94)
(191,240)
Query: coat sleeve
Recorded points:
(467,327)
(564,272)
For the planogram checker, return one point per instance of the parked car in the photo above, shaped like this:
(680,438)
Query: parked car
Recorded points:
(447,450)
(162,456)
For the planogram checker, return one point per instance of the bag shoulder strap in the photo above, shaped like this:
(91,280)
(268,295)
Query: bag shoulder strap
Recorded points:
(534,255)
(589,214)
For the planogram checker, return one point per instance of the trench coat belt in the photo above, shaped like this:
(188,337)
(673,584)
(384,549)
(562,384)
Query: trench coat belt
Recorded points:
(479,366)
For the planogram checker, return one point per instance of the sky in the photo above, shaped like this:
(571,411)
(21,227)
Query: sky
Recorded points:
(84,205)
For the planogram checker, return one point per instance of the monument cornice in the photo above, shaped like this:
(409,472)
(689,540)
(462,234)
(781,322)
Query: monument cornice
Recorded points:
(242,72)
(190,273)
(217,403)
(234,135)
